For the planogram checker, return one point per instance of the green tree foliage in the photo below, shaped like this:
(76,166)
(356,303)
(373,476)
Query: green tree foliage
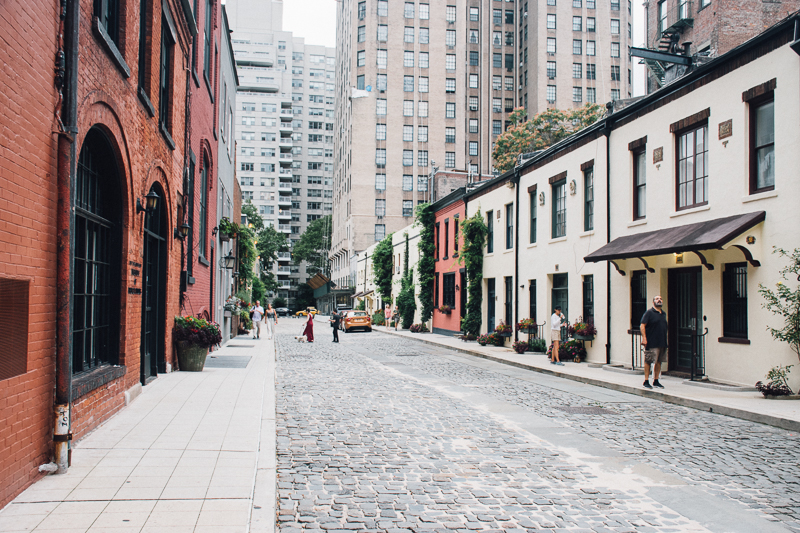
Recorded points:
(305,296)
(426,264)
(382,268)
(473,231)
(247,256)
(269,243)
(540,132)
(784,301)
(278,302)
(258,291)
(262,243)
(406,303)
(314,245)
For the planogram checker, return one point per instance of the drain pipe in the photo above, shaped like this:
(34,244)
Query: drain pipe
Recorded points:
(515,180)
(607,134)
(66,158)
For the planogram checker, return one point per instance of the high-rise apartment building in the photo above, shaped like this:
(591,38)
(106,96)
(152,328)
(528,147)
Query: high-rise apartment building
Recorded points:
(283,125)
(573,52)
(420,86)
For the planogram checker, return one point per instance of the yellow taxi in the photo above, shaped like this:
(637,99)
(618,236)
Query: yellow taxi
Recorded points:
(306,311)
(356,319)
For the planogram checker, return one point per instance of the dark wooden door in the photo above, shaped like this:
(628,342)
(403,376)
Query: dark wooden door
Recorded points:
(492,296)
(153,292)
(560,296)
(684,316)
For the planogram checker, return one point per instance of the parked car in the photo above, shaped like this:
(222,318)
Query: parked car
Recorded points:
(306,311)
(282,311)
(356,319)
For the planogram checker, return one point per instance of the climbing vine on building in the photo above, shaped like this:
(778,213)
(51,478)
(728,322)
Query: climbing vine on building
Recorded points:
(473,231)
(426,265)
(382,268)
(406,303)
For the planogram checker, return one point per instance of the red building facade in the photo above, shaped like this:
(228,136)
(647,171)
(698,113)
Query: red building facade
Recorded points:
(450,280)
(88,279)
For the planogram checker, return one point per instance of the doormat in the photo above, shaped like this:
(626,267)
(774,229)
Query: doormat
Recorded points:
(587,410)
(227,361)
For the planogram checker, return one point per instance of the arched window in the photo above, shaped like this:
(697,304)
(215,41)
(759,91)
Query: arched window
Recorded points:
(97,251)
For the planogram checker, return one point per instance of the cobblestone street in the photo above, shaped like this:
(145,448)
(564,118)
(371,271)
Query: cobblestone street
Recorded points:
(379,433)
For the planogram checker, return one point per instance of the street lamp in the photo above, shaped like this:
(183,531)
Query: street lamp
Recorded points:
(228,262)
(182,231)
(150,203)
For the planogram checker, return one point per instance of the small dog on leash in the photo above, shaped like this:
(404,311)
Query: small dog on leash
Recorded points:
(300,338)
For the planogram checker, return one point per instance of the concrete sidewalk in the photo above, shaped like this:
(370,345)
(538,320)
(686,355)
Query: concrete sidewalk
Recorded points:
(738,402)
(195,452)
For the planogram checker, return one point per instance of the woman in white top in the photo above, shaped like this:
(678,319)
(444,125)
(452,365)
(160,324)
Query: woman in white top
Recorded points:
(271,316)
(555,333)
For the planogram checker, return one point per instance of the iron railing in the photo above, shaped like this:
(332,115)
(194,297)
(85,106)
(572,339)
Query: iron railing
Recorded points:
(699,356)
(637,352)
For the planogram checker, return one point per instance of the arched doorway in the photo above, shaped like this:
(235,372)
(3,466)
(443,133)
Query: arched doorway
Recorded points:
(154,274)
(97,255)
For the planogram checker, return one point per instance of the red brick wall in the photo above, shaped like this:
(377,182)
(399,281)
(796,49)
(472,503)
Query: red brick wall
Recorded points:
(204,143)
(451,322)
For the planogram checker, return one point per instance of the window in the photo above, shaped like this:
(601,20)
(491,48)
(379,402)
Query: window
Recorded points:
(591,48)
(380,81)
(450,13)
(474,59)
(551,94)
(473,148)
(509,303)
(509,107)
(551,45)
(497,83)
(408,182)
(590,4)
(614,72)
(360,82)
(614,49)
(497,17)
(509,16)
(473,81)
(473,14)
(588,199)
(381,58)
(638,297)
(639,185)
(449,135)
(408,158)
(380,132)
(380,207)
(422,183)
(450,37)
(591,24)
(422,110)
(408,84)
(614,26)
(614,5)
(165,79)
(449,289)
(551,22)
(692,167)
(588,299)
(450,85)
(497,60)
(577,94)
(497,105)
(423,60)
(362,36)
(510,60)
(383,8)
(450,62)
(559,201)
(408,10)
(380,182)
(509,226)
(762,144)
(383,33)
(408,133)
(423,84)
(380,157)
(422,134)
(450,110)
(446,238)
(472,104)
(577,3)
(408,34)
(577,71)
(734,301)
(497,127)
(490,232)
(424,12)
(424,36)
(422,158)
(532,198)
(591,71)
(577,24)
(380,106)
(362,10)
(551,2)
(380,232)
(408,208)
(361,58)
(473,125)
(509,38)
(449,159)
(408,58)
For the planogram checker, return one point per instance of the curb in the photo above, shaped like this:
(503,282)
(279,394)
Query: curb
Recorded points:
(700,405)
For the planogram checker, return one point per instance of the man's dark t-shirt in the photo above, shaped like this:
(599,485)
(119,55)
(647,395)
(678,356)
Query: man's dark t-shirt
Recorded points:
(337,318)
(655,327)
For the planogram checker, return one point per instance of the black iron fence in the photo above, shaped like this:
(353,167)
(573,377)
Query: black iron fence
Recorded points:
(637,352)
(699,356)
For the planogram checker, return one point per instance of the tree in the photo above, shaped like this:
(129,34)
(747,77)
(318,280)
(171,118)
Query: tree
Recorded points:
(474,232)
(540,132)
(406,303)
(426,264)
(784,301)
(254,220)
(314,245)
(305,296)
(382,268)
(278,302)
(270,243)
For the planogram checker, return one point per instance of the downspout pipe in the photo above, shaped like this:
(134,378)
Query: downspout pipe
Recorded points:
(66,164)
(515,181)
(607,134)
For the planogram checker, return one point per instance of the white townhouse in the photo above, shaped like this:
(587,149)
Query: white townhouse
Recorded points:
(682,193)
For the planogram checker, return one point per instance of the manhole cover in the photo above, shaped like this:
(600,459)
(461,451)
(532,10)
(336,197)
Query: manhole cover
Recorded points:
(239,345)
(587,410)
(228,361)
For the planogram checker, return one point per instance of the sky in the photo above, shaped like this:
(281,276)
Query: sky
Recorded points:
(314,20)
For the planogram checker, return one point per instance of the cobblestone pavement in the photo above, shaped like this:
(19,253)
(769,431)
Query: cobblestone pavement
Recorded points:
(384,434)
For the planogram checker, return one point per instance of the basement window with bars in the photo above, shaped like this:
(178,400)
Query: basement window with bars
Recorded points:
(734,301)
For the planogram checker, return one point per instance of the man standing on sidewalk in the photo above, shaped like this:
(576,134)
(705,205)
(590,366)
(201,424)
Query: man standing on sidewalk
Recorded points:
(258,313)
(336,319)
(654,342)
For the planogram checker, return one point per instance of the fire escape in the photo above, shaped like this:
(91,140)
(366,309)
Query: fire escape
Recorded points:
(665,49)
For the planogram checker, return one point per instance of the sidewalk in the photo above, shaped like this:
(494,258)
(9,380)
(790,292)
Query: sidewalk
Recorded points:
(195,452)
(731,401)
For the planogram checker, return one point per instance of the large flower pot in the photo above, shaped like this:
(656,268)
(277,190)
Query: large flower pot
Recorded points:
(191,358)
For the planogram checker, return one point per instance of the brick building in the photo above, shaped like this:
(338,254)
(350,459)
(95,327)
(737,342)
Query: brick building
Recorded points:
(86,275)
(450,278)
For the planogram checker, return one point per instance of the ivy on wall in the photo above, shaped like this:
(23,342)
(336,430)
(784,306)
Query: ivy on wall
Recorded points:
(382,268)
(473,231)
(426,265)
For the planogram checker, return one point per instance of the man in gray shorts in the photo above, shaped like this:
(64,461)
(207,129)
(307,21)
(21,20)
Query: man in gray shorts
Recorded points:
(654,341)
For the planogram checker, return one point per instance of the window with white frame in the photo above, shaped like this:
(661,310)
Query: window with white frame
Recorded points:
(408,133)
(424,12)
(380,182)
(450,14)
(551,94)
(380,132)
(423,60)
(614,49)
(380,232)
(497,105)
(424,36)
(473,148)
(380,106)
(408,108)
(408,58)
(449,135)
(577,24)
(422,183)
(408,182)
(408,34)
(450,62)
(383,33)
(408,11)
(383,8)
(408,84)
(449,159)
(381,58)
(450,85)
(408,158)
(577,94)
(422,134)
(450,37)
(450,110)
(591,48)
(551,21)
(497,83)
(422,109)
(422,158)
(380,157)
(614,26)
(577,47)
(551,45)
(473,81)
(473,125)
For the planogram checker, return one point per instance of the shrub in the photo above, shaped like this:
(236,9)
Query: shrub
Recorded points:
(486,338)
(497,340)
(538,345)
(418,328)
(778,384)
(784,301)
(378,319)
(568,351)
(197,331)
(520,346)
(245,322)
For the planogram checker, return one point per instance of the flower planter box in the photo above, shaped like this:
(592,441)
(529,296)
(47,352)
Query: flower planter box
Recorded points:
(505,334)
(528,331)
(583,337)
(224,237)
(784,397)
(191,358)
(227,314)
(445,312)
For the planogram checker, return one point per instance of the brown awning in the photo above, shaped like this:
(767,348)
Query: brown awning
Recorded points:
(708,235)
(317,281)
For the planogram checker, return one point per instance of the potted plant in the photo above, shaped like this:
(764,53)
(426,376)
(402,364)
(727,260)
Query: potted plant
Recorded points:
(484,339)
(503,330)
(467,337)
(418,328)
(538,345)
(445,309)
(232,305)
(569,351)
(194,336)
(527,325)
(227,229)
(520,346)
(497,340)
(582,331)
(778,384)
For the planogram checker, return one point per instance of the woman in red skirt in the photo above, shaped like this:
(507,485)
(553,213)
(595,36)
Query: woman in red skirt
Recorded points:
(309,331)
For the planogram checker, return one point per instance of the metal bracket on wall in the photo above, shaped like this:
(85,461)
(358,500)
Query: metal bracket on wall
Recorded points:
(703,261)
(747,255)
(622,272)
(646,266)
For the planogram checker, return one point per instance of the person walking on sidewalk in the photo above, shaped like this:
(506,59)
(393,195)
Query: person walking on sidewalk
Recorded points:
(271,318)
(257,313)
(387,315)
(336,318)
(555,333)
(396,317)
(309,329)
(654,341)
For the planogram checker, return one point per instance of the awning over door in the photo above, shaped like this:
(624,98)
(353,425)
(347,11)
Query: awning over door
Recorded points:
(708,235)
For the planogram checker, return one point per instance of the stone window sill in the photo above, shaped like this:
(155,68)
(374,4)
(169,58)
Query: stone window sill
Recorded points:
(94,379)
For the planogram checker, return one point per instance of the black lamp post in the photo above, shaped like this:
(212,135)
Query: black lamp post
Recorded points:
(150,203)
